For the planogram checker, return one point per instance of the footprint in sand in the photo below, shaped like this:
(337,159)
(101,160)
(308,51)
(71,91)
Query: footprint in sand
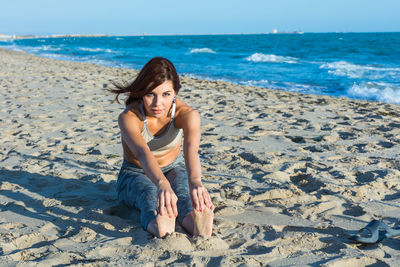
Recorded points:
(357,148)
(353,210)
(346,135)
(258,249)
(262,115)
(385,144)
(306,182)
(252,158)
(296,139)
(394,196)
(207,145)
(314,149)
(256,129)
(369,176)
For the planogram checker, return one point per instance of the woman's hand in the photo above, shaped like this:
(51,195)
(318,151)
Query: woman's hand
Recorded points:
(200,197)
(166,200)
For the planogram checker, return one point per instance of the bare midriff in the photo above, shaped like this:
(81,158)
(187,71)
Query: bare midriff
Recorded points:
(163,159)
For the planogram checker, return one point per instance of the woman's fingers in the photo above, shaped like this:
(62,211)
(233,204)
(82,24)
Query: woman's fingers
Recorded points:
(195,200)
(201,199)
(166,204)
(161,201)
(207,199)
(174,206)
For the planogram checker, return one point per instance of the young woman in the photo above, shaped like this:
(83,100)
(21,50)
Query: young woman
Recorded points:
(154,177)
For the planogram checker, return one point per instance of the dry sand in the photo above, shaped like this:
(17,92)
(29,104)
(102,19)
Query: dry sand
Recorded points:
(291,175)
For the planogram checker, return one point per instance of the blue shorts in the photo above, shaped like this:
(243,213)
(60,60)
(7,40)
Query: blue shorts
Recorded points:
(136,190)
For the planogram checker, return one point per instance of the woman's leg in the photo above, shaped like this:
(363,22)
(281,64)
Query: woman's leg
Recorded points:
(195,222)
(136,190)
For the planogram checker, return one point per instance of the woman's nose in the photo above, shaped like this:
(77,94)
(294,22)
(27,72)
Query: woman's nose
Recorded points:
(156,100)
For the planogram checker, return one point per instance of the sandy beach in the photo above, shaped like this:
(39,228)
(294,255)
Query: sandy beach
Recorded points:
(291,175)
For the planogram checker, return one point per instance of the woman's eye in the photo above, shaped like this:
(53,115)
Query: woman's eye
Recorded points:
(167,94)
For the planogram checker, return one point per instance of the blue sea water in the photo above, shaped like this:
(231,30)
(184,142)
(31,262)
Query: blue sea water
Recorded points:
(354,65)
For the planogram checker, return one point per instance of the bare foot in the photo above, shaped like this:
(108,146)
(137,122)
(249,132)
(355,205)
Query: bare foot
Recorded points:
(199,223)
(161,225)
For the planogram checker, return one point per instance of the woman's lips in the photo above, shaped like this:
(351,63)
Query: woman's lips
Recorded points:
(157,111)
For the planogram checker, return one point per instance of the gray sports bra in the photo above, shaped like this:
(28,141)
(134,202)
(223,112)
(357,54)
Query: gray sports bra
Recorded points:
(167,140)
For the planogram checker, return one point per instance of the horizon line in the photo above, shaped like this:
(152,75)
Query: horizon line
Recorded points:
(175,34)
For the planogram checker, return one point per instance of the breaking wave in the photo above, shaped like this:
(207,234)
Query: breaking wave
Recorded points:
(259,57)
(202,50)
(382,92)
(347,69)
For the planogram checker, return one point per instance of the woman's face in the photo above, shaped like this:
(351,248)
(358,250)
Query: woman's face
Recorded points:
(158,102)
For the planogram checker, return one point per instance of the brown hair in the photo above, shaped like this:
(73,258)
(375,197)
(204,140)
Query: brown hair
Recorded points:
(157,71)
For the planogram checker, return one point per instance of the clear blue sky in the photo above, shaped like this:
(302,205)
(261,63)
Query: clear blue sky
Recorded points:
(197,17)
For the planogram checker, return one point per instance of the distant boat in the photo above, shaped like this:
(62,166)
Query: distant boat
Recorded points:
(275,31)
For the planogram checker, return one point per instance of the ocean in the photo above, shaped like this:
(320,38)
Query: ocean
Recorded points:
(354,65)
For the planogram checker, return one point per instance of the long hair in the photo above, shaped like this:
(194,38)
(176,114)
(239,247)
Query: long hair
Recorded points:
(157,71)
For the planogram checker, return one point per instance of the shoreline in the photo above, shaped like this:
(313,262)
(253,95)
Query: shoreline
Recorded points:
(205,79)
(291,175)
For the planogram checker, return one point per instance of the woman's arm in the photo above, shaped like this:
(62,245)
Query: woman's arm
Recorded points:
(190,122)
(130,132)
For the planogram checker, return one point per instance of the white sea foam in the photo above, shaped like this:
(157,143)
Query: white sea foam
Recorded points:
(56,56)
(36,49)
(347,69)
(202,50)
(48,48)
(382,92)
(260,57)
(87,49)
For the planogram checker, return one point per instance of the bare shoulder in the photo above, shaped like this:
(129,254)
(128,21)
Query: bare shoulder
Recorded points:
(185,114)
(182,108)
(130,116)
